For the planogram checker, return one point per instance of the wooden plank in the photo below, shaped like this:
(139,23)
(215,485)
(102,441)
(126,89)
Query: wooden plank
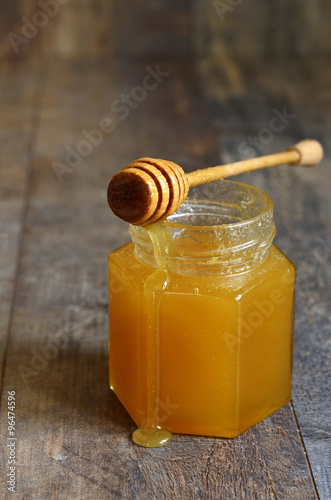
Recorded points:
(65,28)
(19,102)
(267,31)
(83,28)
(156,28)
(76,28)
(302,213)
(73,434)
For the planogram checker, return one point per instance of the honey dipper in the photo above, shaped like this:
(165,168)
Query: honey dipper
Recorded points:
(148,189)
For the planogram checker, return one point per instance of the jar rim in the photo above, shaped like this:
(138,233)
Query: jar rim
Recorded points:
(213,227)
(239,242)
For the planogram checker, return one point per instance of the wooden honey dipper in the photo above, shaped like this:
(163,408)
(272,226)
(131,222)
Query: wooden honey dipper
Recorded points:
(148,189)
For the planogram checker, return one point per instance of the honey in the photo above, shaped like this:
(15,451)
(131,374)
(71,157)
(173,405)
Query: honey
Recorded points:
(201,318)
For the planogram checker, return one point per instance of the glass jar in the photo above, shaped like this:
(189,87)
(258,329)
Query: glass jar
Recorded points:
(201,316)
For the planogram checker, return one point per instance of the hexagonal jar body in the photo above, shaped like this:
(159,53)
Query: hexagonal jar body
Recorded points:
(203,345)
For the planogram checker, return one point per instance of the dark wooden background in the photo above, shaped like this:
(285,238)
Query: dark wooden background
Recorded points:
(228,74)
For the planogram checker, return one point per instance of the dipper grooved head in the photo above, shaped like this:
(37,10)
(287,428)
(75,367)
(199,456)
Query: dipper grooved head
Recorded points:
(147,190)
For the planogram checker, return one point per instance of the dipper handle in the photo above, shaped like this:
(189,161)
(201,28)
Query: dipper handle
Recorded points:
(151,189)
(308,153)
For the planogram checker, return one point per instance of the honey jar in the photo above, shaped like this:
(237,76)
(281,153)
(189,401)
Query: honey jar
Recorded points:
(201,316)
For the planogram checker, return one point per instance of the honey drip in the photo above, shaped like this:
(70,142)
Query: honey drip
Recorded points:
(152,435)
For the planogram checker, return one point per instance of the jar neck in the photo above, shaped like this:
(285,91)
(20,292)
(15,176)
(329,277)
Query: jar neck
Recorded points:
(226,233)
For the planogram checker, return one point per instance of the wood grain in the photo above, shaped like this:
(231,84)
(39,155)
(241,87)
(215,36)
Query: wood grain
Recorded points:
(220,30)
(74,436)
(225,30)
(88,28)
(19,93)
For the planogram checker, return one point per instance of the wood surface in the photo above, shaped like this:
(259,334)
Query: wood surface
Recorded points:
(74,436)
(19,111)
(220,29)
(232,29)
(56,230)
(81,28)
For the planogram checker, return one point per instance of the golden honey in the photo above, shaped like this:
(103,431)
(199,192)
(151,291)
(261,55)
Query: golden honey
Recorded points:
(201,318)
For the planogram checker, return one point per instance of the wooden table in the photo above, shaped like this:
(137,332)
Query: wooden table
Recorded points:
(73,435)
